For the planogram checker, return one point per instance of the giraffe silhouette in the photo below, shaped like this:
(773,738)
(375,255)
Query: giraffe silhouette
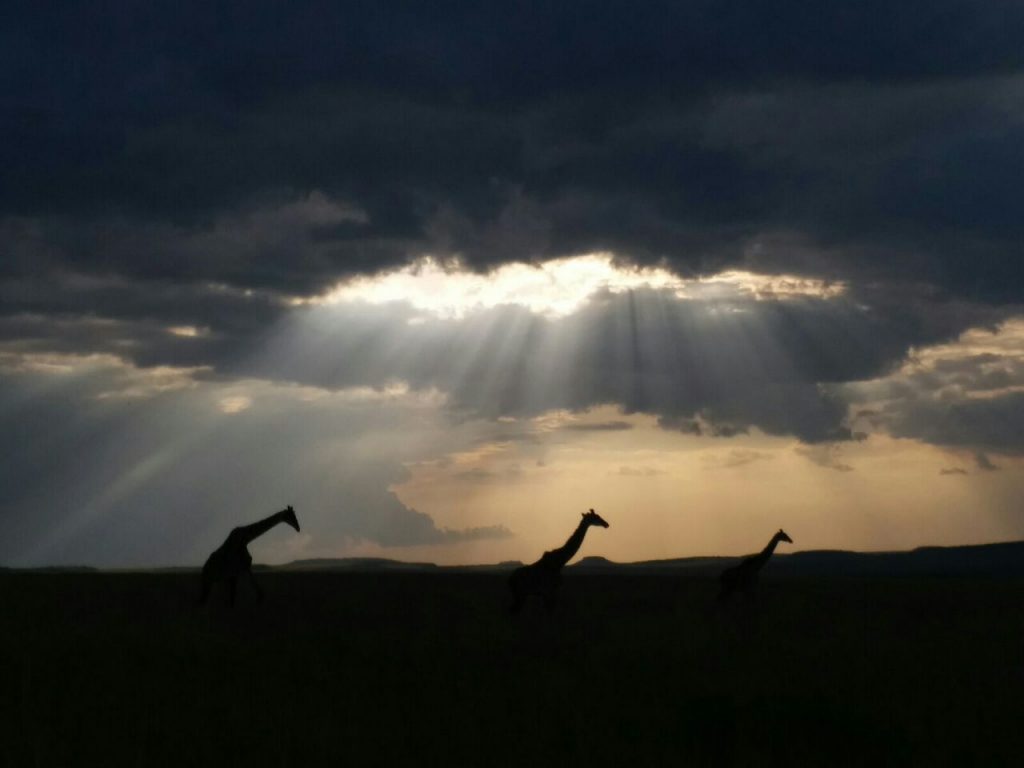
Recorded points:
(743,577)
(231,559)
(542,577)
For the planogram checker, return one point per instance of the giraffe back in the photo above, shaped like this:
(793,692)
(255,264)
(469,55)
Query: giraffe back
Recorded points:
(229,560)
(538,578)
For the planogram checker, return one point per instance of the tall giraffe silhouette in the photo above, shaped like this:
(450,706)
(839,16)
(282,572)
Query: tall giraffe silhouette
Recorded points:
(231,559)
(743,577)
(542,577)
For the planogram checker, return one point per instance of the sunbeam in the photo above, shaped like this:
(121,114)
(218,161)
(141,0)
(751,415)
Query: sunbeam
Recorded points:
(455,425)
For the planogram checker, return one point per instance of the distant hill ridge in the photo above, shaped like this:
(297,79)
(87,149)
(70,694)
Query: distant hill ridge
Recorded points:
(354,563)
(1003,559)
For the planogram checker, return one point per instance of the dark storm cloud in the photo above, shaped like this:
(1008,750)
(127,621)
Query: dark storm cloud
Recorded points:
(182,166)
(989,424)
(133,321)
(603,426)
(684,131)
(967,395)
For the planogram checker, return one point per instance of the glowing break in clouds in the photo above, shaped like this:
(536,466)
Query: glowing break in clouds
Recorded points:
(558,287)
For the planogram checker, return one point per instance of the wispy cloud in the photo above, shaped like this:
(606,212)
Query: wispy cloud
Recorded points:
(603,426)
(737,457)
(639,471)
(984,463)
(827,455)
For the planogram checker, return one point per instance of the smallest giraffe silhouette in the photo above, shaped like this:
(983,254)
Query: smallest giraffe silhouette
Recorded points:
(231,559)
(743,577)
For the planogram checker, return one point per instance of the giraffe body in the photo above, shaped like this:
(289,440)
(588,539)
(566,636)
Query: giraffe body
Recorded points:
(743,577)
(232,559)
(542,578)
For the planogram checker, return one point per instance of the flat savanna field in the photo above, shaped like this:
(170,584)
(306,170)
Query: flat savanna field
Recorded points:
(425,669)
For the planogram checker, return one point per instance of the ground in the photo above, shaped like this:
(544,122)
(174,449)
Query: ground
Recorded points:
(428,669)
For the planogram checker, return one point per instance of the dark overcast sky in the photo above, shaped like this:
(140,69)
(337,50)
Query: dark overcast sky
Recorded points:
(887,133)
(204,164)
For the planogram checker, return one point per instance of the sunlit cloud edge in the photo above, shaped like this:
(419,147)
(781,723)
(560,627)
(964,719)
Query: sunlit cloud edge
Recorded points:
(557,287)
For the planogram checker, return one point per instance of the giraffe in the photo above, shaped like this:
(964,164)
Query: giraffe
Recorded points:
(232,558)
(542,577)
(743,577)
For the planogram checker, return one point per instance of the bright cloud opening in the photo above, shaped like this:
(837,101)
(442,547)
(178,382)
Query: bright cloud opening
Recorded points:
(235,404)
(188,331)
(558,287)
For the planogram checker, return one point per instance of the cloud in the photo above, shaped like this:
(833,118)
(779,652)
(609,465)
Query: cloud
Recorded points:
(984,462)
(395,525)
(717,364)
(826,455)
(190,193)
(357,140)
(645,350)
(475,475)
(476,533)
(235,403)
(640,471)
(161,476)
(952,471)
(737,457)
(992,424)
(964,394)
(602,426)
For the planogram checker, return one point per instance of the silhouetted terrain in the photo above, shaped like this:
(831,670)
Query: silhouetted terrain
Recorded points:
(355,564)
(1003,559)
(633,667)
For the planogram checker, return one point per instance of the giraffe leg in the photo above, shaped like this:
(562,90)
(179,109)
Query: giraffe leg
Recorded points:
(518,597)
(518,590)
(517,604)
(549,600)
(256,587)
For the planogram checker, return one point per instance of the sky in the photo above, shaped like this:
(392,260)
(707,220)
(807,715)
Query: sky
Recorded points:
(443,276)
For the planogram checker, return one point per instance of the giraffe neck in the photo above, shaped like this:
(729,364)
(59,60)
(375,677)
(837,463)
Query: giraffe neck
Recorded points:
(762,557)
(564,554)
(257,529)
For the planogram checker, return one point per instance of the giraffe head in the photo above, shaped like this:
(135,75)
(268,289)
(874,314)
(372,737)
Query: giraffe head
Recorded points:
(592,518)
(290,518)
(783,536)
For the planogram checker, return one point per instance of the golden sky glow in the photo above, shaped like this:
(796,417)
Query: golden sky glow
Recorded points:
(667,494)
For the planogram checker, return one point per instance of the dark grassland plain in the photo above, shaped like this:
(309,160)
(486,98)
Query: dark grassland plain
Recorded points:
(424,669)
